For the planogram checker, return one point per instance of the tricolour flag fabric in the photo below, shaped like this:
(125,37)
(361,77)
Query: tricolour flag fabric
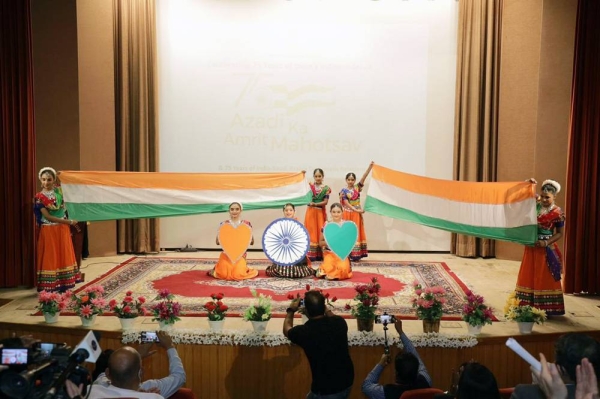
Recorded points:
(93,196)
(502,211)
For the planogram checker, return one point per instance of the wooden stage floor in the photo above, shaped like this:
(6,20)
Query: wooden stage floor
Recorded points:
(492,278)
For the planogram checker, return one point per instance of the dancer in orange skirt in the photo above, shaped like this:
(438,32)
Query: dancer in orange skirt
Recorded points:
(350,200)
(538,283)
(56,266)
(225,269)
(334,268)
(315,214)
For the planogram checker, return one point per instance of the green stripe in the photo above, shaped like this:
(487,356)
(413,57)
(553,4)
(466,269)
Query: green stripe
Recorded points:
(96,212)
(523,235)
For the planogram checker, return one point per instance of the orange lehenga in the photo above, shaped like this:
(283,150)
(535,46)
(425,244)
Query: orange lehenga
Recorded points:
(56,265)
(334,268)
(352,196)
(538,283)
(315,219)
(225,269)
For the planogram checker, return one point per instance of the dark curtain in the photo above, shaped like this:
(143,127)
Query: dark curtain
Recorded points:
(476,106)
(17,147)
(136,109)
(582,238)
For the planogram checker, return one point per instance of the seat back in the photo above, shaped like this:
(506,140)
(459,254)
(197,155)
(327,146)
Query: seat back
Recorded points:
(425,393)
(506,393)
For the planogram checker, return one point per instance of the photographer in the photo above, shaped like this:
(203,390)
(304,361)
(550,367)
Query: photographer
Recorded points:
(411,373)
(324,338)
(166,386)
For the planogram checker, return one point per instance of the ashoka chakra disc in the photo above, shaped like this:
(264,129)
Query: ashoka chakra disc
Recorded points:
(285,241)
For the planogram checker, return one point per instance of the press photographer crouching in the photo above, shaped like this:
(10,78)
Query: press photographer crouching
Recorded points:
(39,370)
(411,373)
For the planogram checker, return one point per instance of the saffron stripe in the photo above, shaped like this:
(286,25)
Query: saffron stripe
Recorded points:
(459,191)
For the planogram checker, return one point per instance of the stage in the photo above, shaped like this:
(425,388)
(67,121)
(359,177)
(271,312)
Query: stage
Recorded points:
(246,369)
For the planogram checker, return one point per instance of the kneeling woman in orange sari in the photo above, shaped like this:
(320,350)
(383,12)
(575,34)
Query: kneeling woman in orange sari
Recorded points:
(235,235)
(538,283)
(334,268)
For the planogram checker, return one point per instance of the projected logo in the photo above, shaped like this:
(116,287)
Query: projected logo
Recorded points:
(280,97)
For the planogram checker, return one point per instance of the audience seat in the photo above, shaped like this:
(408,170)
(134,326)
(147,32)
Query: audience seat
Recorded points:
(505,393)
(426,393)
(183,393)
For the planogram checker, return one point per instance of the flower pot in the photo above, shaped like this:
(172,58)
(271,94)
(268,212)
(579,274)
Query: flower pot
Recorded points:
(88,321)
(431,326)
(127,324)
(51,318)
(216,325)
(474,330)
(259,326)
(364,324)
(164,326)
(525,327)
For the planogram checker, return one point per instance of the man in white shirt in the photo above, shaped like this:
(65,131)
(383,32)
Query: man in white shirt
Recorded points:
(125,374)
(166,386)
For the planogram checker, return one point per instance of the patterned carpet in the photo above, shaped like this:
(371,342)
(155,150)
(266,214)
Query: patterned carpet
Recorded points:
(187,279)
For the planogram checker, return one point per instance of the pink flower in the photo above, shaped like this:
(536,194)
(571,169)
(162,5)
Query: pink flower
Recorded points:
(112,303)
(129,293)
(141,299)
(87,311)
(127,309)
(164,293)
(128,299)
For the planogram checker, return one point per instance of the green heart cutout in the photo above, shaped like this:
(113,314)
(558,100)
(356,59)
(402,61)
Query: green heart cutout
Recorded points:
(340,238)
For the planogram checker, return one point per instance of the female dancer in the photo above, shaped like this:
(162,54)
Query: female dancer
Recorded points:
(350,200)
(55,260)
(298,270)
(316,214)
(538,283)
(225,269)
(334,268)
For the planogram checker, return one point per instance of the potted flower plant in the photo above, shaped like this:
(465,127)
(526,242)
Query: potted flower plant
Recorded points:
(524,315)
(51,304)
(128,310)
(216,311)
(88,304)
(428,304)
(167,310)
(259,313)
(366,298)
(476,313)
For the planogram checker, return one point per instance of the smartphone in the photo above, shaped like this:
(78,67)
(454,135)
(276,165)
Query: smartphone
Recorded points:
(385,318)
(149,336)
(301,302)
(519,350)
(14,356)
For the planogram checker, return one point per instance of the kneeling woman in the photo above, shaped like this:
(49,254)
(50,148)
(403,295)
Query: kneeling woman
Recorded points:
(226,269)
(333,268)
(299,270)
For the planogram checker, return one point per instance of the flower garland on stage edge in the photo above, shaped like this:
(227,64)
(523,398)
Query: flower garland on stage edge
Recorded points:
(269,338)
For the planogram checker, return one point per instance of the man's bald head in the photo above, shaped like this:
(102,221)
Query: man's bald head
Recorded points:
(124,366)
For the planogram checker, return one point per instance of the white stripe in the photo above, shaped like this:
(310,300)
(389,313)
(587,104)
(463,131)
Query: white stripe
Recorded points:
(83,193)
(515,214)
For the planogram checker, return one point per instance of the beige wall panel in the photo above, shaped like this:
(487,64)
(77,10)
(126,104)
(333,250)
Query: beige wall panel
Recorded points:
(97,105)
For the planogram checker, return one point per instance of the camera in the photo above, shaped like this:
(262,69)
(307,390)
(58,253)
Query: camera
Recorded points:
(41,371)
(301,302)
(385,318)
(148,336)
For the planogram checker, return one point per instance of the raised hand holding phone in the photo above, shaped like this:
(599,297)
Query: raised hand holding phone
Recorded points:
(519,350)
